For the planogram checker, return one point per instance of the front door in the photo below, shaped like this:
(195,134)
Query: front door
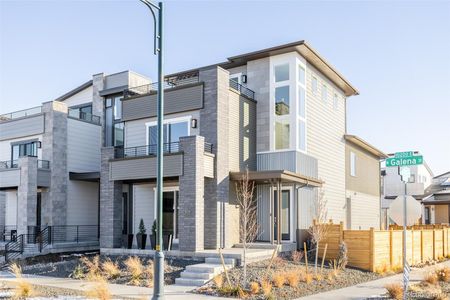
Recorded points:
(285,213)
(38,210)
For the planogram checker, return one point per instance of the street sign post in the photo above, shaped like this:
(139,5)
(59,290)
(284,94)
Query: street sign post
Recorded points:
(403,160)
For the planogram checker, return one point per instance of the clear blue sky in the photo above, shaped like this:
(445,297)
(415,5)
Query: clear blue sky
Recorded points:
(396,53)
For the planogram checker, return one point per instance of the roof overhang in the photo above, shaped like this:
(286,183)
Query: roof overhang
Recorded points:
(273,176)
(365,145)
(85,176)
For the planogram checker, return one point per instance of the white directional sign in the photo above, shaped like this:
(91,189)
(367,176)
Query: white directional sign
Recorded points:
(413,213)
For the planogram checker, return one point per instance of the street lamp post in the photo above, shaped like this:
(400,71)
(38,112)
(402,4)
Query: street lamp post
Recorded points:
(158,289)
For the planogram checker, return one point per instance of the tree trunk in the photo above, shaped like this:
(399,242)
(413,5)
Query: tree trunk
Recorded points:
(317,257)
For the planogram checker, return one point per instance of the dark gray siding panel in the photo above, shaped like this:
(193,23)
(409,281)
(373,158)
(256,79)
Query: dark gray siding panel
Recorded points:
(143,168)
(22,127)
(9,178)
(43,178)
(176,100)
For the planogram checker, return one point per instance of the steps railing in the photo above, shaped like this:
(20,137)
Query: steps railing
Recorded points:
(44,238)
(14,249)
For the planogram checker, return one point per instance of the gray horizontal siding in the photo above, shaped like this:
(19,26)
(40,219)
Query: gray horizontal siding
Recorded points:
(43,178)
(9,178)
(263,212)
(176,100)
(143,168)
(292,161)
(22,127)
(83,146)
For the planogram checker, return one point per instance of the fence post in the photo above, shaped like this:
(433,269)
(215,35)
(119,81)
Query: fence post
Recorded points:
(372,249)
(391,246)
(434,244)
(412,245)
(421,245)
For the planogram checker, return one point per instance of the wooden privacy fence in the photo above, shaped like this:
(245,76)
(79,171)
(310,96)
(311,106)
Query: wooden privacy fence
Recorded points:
(372,249)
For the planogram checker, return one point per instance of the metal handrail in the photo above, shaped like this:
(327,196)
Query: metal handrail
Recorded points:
(147,150)
(76,113)
(169,82)
(8,233)
(21,113)
(242,89)
(208,147)
(9,164)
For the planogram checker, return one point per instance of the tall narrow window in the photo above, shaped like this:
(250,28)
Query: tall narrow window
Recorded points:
(302,135)
(301,102)
(314,85)
(282,133)
(352,164)
(118,108)
(335,101)
(118,134)
(282,100)
(324,93)
(301,74)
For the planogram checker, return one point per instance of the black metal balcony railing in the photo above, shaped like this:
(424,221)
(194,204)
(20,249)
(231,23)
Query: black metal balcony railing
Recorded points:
(208,147)
(169,82)
(242,89)
(8,233)
(148,150)
(76,113)
(43,164)
(9,164)
(21,113)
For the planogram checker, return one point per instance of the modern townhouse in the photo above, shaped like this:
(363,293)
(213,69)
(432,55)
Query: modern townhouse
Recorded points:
(278,112)
(363,183)
(437,201)
(50,165)
(392,186)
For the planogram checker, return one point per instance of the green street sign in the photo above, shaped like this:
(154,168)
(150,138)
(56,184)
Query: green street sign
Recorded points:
(404,159)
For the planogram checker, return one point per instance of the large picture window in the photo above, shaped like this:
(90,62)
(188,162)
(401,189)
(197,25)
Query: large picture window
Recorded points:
(172,132)
(24,149)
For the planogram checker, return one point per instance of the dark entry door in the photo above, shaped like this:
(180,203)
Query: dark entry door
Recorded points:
(38,211)
(285,213)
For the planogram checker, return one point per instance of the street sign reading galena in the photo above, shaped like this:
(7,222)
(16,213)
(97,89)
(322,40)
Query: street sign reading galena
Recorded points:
(404,159)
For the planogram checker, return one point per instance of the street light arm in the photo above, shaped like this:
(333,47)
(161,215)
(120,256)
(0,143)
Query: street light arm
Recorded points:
(152,6)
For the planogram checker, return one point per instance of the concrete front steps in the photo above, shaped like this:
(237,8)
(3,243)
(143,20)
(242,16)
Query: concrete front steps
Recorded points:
(199,274)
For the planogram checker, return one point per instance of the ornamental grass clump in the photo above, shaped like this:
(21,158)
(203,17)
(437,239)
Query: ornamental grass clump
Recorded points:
(431,278)
(100,289)
(135,269)
(266,287)
(92,266)
(395,291)
(296,256)
(23,288)
(293,278)
(110,269)
(218,281)
(254,288)
(278,279)
(443,274)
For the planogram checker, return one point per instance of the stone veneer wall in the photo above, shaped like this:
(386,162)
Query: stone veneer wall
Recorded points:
(191,201)
(110,204)
(54,149)
(26,194)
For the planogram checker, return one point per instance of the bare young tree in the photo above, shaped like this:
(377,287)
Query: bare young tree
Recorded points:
(319,228)
(248,226)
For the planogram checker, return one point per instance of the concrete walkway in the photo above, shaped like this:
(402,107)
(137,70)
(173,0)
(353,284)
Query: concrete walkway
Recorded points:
(373,289)
(119,291)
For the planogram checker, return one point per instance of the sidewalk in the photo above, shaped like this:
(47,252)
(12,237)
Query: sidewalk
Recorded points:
(119,291)
(373,288)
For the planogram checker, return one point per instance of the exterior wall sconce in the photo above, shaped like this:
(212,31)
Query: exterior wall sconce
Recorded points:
(194,123)
(244,78)
(38,144)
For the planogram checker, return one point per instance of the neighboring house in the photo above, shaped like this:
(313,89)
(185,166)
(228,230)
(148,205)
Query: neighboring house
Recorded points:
(363,187)
(44,152)
(437,202)
(278,112)
(421,178)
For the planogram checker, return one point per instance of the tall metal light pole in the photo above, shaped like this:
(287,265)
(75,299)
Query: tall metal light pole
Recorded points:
(158,289)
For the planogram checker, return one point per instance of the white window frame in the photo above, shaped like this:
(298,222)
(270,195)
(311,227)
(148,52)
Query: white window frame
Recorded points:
(352,164)
(168,121)
(299,118)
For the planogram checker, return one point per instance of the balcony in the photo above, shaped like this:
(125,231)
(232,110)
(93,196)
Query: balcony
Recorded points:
(134,163)
(21,113)
(169,83)
(292,161)
(242,89)
(10,176)
(77,114)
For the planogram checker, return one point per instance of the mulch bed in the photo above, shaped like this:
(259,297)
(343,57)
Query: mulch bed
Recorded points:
(256,272)
(62,266)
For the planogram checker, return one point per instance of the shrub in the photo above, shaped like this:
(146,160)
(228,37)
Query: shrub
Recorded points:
(218,281)
(92,267)
(254,288)
(308,278)
(330,278)
(293,278)
(297,256)
(440,296)
(398,268)
(431,278)
(319,277)
(149,273)
(334,267)
(77,273)
(100,290)
(278,280)
(23,288)
(395,291)
(228,291)
(342,258)
(111,269)
(443,274)
(278,261)
(135,268)
(383,269)
(266,287)
(142,229)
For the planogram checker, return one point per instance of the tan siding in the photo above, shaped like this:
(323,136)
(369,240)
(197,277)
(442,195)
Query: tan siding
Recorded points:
(367,179)
(441,214)
(365,210)
(325,131)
